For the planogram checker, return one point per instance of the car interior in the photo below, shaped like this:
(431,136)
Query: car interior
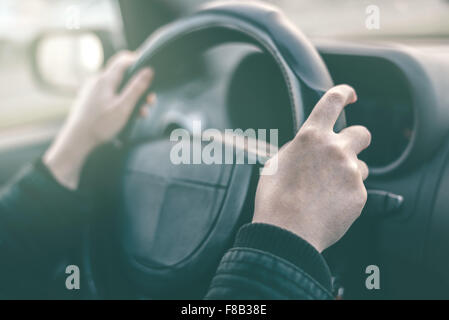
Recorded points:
(161,229)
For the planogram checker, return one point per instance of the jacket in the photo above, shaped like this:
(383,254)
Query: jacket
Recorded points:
(39,227)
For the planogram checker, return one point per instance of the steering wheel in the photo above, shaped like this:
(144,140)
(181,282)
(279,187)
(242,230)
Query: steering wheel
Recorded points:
(173,223)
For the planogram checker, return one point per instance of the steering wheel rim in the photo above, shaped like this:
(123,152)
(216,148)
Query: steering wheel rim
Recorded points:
(306,78)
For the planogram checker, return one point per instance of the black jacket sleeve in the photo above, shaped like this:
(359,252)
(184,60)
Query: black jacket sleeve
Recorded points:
(268,262)
(39,223)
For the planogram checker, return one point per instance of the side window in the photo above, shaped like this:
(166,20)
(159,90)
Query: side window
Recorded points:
(59,40)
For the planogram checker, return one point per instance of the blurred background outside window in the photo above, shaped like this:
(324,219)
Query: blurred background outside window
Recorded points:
(24,101)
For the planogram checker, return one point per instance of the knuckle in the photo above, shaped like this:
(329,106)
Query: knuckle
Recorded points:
(309,134)
(335,97)
(365,134)
(122,60)
(122,65)
(363,165)
(361,198)
(351,171)
(122,55)
(335,151)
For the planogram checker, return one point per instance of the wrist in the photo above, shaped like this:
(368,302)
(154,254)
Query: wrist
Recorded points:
(287,245)
(66,158)
(305,231)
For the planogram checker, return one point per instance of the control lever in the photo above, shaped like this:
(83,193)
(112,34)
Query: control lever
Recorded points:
(382,203)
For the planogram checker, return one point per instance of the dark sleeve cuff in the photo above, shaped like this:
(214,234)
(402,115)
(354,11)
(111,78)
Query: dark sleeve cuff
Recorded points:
(62,199)
(36,200)
(286,245)
(41,225)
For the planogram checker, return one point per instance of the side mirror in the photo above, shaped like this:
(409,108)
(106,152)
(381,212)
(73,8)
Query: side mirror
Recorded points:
(62,60)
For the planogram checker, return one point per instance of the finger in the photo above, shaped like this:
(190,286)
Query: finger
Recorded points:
(151,99)
(119,55)
(117,67)
(328,109)
(363,168)
(144,111)
(135,89)
(358,138)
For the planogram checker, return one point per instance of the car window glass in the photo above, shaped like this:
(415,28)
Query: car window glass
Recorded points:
(22,100)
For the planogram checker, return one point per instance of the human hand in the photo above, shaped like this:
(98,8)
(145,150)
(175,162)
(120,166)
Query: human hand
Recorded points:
(98,115)
(318,191)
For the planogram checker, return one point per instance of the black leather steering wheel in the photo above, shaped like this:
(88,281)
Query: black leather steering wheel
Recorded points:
(174,222)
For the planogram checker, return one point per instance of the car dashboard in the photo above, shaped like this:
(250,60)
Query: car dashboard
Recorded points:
(403,102)
(402,99)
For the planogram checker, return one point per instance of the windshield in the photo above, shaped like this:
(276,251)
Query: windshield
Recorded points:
(348,18)
(23,101)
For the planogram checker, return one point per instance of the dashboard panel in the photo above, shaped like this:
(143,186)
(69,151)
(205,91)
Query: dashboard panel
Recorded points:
(402,93)
(401,100)
(384,105)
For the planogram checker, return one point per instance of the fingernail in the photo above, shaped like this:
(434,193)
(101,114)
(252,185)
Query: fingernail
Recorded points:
(144,112)
(354,97)
(151,98)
